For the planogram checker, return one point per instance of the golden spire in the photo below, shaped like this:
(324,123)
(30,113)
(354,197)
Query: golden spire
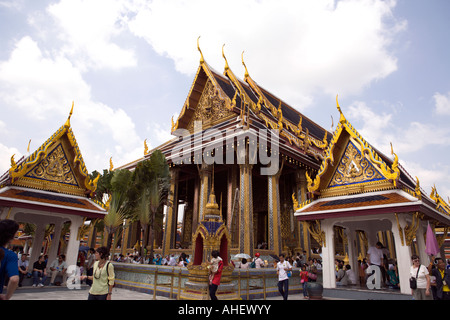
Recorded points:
(111,166)
(67,124)
(145,147)
(202,60)
(226,62)
(342,118)
(28,148)
(212,208)
(246,75)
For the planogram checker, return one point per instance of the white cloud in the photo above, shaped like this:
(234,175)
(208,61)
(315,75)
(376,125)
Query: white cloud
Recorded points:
(43,87)
(419,145)
(430,176)
(336,46)
(88,29)
(442,103)
(379,130)
(38,83)
(376,128)
(15,4)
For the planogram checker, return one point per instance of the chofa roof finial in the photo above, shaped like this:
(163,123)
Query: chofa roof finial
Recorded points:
(202,60)
(342,118)
(67,124)
(246,75)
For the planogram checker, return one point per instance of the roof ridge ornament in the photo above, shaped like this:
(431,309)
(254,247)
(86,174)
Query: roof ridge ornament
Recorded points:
(67,124)
(226,62)
(342,118)
(202,60)
(246,75)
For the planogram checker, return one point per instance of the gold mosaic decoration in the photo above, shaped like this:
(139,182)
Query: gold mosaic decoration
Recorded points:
(55,167)
(210,108)
(354,168)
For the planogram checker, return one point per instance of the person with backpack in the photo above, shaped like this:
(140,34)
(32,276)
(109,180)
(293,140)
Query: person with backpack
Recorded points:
(102,277)
(257,262)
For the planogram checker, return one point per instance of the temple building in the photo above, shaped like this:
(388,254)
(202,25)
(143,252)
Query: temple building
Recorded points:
(260,151)
(365,197)
(248,172)
(52,189)
(302,189)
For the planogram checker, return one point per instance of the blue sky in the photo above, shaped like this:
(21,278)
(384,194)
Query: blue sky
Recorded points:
(128,66)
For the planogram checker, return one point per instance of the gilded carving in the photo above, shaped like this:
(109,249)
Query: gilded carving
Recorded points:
(55,167)
(354,168)
(315,229)
(211,107)
(410,230)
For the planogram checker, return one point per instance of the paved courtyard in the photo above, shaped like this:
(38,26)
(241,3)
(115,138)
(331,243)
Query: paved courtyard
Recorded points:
(63,293)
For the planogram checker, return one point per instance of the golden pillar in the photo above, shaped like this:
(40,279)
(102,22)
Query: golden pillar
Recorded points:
(275,241)
(205,178)
(233,205)
(301,182)
(125,237)
(246,244)
(171,214)
(195,208)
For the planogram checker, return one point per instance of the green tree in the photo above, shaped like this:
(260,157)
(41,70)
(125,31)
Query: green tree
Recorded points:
(148,194)
(118,205)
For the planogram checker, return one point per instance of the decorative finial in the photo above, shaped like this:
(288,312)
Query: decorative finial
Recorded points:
(202,60)
(94,183)
(67,124)
(246,75)
(342,118)
(226,62)
(145,147)
(28,148)
(394,167)
(13,162)
(111,166)
(417,191)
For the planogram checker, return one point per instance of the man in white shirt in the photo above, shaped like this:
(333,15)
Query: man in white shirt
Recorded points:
(172,261)
(375,255)
(58,267)
(283,267)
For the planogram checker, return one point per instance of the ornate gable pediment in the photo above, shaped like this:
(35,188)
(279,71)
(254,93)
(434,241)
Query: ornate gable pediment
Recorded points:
(207,101)
(55,168)
(352,166)
(210,109)
(57,165)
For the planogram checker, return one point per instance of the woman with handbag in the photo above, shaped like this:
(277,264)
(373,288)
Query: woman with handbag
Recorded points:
(419,280)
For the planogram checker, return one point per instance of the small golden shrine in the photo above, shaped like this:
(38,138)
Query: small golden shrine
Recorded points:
(211,234)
